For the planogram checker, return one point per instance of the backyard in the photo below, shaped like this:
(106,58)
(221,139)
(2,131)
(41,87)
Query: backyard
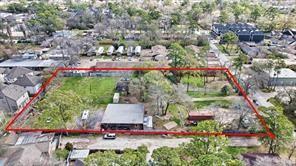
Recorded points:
(62,106)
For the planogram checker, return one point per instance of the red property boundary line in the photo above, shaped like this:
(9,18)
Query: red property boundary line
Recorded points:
(141,132)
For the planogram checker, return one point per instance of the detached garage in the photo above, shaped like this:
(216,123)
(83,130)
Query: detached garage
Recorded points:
(123,117)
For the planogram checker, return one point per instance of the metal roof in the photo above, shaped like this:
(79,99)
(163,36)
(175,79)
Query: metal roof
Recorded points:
(283,73)
(124,114)
(30,63)
(79,154)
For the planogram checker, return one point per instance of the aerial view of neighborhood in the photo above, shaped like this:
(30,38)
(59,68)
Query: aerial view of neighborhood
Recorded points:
(147,83)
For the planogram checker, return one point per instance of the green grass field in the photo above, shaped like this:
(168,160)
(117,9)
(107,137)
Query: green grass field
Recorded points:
(59,107)
(97,90)
(220,103)
(201,94)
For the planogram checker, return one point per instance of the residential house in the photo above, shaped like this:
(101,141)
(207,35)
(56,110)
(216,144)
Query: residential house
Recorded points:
(251,159)
(13,97)
(30,82)
(11,75)
(244,31)
(33,64)
(250,50)
(31,149)
(282,77)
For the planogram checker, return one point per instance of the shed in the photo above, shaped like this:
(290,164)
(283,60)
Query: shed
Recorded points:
(123,117)
(79,154)
(170,125)
(116,98)
(194,116)
(85,115)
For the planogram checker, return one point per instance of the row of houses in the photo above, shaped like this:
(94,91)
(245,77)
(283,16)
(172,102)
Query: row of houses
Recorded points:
(17,85)
(245,32)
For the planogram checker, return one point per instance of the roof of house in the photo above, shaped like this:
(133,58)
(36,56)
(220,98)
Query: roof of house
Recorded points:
(31,63)
(124,114)
(79,154)
(13,92)
(17,71)
(283,73)
(28,80)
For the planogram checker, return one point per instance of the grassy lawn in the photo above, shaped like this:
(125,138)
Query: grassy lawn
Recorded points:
(220,103)
(178,112)
(94,91)
(196,94)
(193,81)
(60,107)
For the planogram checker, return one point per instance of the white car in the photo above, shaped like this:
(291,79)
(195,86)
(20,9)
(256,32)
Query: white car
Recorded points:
(109,136)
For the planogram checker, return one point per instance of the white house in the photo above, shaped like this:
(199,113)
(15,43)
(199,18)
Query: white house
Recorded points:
(282,77)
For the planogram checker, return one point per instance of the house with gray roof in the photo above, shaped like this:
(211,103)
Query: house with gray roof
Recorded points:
(30,82)
(11,75)
(13,97)
(282,77)
(31,149)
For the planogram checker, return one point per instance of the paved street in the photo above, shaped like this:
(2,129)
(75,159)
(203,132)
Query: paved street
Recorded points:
(224,59)
(122,142)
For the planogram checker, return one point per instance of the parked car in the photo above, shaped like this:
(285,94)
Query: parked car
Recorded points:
(109,136)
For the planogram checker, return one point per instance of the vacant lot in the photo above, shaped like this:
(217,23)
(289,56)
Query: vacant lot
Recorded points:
(94,91)
(60,107)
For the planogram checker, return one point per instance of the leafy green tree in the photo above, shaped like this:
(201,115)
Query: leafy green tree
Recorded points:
(209,150)
(17,8)
(47,18)
(132,157)
(256,12)
(224,16)
(177,54)
(129,157)
(165,156)
(230,38)
(61,154)
(69,146)
(225,90)
(237,10)
(238,63)
(209,144)
(194,16)
(176,18)
(106,158)
(154,14)
(281,127)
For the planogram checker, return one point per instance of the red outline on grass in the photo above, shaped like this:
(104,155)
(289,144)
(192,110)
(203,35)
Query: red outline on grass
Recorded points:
(141,132)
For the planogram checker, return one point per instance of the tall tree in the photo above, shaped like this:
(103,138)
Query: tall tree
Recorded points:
(280,126)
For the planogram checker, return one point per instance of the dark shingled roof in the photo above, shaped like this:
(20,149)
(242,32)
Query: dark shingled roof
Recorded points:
(17,71)
(13,92)
(28,80)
